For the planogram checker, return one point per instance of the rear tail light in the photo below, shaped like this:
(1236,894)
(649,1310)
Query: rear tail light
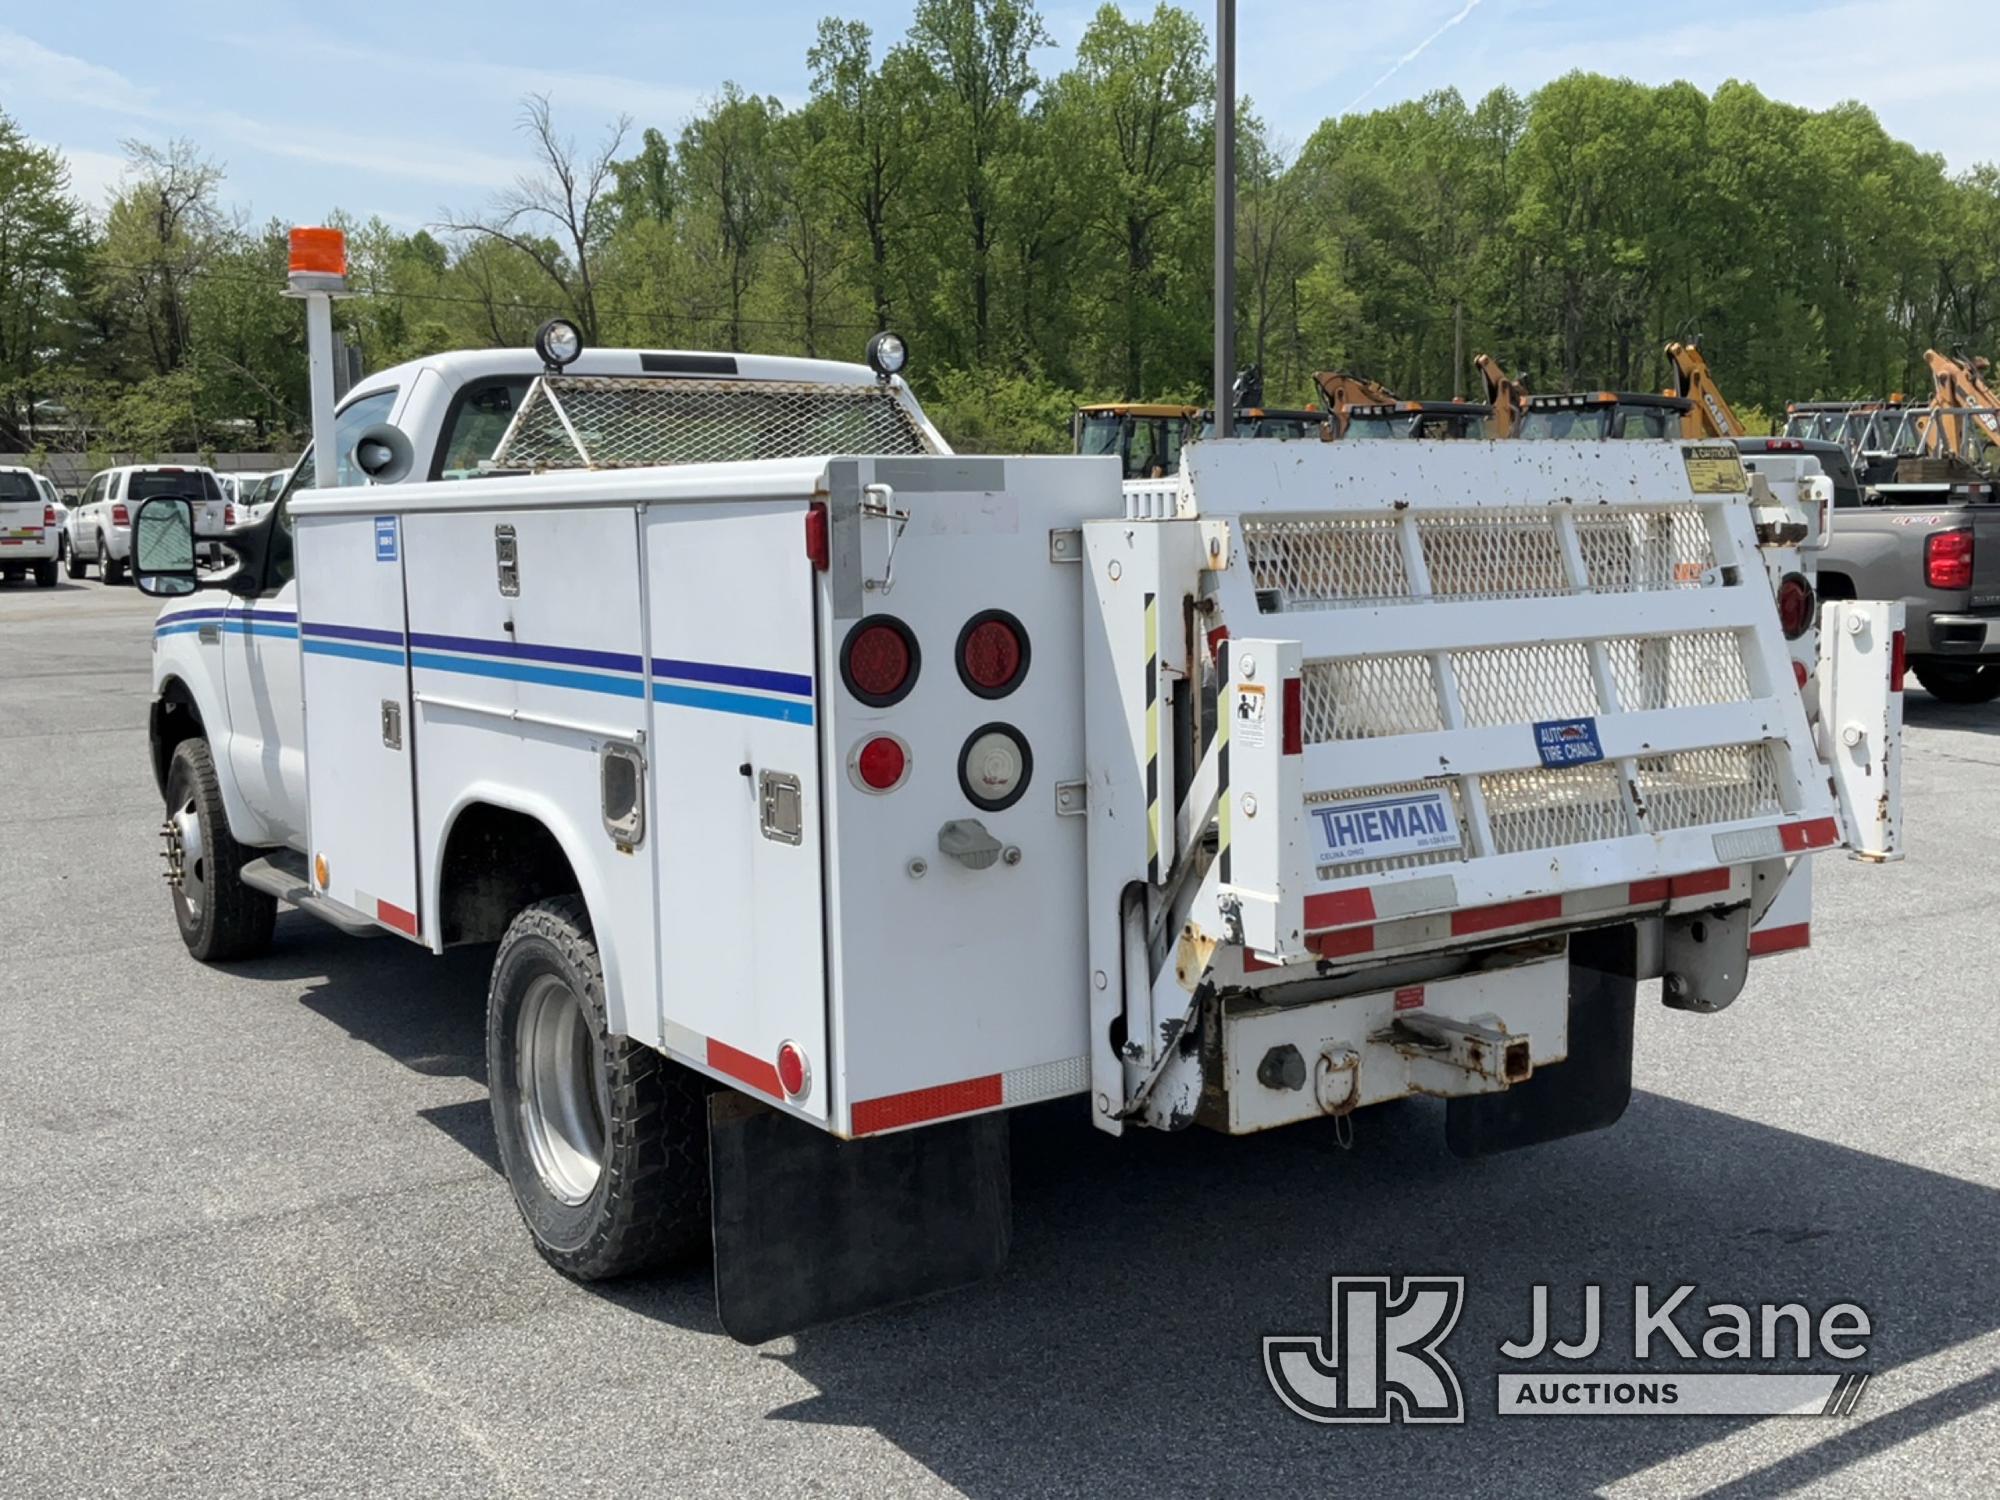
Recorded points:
(881,763)
(228,515)
(1948,560)
(120,516)
(1799,672)
(879,661)
(819,543)
(992,653)
(1795,605)
(994,767)
(48,515)
(1783,445)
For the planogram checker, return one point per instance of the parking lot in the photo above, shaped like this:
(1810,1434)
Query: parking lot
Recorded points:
(257,1240)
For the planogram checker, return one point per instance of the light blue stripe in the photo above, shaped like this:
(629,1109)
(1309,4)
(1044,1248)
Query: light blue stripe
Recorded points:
(521,671)
(184,628)
(355,653)
(785,710)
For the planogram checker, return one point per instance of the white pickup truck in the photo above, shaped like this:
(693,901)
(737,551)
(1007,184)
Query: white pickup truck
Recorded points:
(829,793)
(100,527)
(30,541)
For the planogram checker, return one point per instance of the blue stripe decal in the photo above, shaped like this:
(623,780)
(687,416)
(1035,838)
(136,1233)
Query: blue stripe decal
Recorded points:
(354,653)
(572,656)
(248,627)
(781,709)
(353,633)
(744,677)
(273,614)
(177,628)
(514,671)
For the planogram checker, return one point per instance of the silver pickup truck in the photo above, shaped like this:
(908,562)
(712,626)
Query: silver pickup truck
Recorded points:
(1934,545)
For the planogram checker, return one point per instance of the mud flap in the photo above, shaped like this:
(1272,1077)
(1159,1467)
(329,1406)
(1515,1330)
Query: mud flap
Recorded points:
(809,1228)
(1588,1091)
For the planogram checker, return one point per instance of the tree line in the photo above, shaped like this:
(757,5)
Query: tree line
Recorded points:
(1043,237)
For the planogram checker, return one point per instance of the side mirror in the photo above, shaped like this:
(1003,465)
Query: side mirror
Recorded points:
(383,453)
(163,547)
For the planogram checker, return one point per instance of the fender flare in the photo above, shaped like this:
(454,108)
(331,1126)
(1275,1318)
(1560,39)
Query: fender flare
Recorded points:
(589,877)
(210,715)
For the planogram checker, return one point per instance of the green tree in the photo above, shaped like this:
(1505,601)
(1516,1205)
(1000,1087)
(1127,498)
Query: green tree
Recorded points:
(43,244)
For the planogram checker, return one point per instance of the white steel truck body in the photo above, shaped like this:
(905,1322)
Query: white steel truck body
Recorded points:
(887,787)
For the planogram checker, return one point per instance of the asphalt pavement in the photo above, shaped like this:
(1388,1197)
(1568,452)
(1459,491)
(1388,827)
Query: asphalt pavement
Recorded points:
(256,1241)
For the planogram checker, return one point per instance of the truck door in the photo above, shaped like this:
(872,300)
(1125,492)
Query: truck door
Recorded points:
(354,663)
(736,779)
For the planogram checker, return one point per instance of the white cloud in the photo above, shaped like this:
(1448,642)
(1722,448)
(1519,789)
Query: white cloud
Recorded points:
(30,69)
(93,175)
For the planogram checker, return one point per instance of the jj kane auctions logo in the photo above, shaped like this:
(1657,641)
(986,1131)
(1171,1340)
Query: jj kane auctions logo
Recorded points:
(1382,1358)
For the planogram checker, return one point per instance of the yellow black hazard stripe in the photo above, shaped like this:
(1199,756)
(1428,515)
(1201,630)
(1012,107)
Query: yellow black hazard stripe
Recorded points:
(1153,738)
(1222,717)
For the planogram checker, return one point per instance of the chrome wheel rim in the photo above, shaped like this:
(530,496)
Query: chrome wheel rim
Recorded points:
(187,865)
(563,1101)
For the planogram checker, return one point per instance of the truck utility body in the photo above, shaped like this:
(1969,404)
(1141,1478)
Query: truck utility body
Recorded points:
(894,789)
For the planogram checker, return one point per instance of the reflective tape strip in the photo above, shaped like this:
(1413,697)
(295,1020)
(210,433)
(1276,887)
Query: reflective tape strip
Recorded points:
(1819,833)
(918,1105)
(1153,738)
(1781,939)
(753,1071)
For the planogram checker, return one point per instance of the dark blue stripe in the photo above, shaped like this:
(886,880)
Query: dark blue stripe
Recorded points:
(354,653)
(271,614)
(514,671)
(182,616)
(257,627)
(744,677)
(574,656)
(781,709)
(353,633)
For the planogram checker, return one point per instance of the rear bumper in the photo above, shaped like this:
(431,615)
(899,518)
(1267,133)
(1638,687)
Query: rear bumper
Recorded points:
(36,546)
(1956,635)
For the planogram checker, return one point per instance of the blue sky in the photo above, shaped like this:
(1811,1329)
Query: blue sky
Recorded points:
(408,110)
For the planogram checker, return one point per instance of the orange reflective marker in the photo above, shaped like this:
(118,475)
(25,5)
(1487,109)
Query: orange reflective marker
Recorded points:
(319,252)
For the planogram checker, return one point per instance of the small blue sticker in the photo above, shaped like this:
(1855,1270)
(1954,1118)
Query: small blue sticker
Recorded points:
(1568,742)
(385,539)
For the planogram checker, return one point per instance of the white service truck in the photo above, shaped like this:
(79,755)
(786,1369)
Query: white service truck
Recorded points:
(828,793)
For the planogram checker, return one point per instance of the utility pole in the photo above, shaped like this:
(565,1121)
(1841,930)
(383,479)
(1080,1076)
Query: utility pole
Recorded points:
(1225,216)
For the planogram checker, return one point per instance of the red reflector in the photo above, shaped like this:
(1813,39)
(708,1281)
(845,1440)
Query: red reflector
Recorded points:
(390,915)
(919,1105)
(881,763)
(1948,560)
(992,654)
(1795,605)
(1799,672)
(1899,662)
(819,543)
(793,1074)
(879,661)
(1780,939)
(744,1068)
(1295,718)
(120,516)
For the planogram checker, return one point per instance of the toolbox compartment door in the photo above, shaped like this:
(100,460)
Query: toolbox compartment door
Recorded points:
(736,777)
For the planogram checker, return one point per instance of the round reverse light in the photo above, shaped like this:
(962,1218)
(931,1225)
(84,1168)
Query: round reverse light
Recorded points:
(887,354)
(994,767)
(992,653)
(879,661)
(1795,605)
(880,763)
(794,1075)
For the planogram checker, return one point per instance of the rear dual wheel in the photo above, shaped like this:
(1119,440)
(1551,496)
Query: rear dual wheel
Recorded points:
(604,1140)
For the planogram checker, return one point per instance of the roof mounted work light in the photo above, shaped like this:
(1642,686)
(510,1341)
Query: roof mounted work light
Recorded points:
(887,354)
(558,343)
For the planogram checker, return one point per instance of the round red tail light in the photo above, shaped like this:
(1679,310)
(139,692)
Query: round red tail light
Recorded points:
(794,1076)
(879,661)
(992,653)
(1795,605)
(1799,672)
(881,763)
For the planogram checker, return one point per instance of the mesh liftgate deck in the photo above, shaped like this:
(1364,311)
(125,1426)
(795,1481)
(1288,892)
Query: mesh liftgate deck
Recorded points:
(1459,690)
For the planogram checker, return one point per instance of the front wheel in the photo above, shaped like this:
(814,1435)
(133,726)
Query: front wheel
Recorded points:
(220,917)
(604,1140)
(1960,682)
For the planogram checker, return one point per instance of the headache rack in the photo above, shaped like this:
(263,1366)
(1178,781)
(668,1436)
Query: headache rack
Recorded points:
(629,421)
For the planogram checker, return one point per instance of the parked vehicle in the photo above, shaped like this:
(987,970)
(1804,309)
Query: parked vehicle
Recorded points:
(100,529)
(822,785)
(257,492)
(30,538)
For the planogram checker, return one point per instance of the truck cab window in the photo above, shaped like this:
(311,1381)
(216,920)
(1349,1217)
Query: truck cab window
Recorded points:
(480,414)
